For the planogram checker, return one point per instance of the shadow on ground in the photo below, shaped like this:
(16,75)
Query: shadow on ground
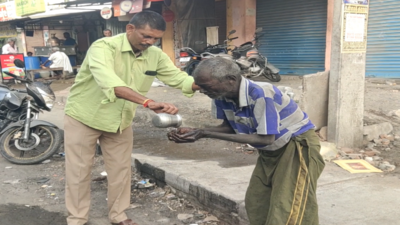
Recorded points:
(21,214)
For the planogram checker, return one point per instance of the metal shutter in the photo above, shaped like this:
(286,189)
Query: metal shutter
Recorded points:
(383,46)
(294,34)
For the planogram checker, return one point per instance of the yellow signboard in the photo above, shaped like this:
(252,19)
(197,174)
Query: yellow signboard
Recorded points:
(28,7)
(7,31)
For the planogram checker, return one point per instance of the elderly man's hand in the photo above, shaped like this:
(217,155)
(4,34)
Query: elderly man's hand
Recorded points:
(185,135)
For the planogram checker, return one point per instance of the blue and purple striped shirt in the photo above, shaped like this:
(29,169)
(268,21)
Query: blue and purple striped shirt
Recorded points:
(263,110)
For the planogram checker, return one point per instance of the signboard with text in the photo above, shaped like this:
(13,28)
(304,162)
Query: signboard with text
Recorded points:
(7,65)
(7,11)
(7,31)
(356,2)
(137,6)
(354,28)
(28,7)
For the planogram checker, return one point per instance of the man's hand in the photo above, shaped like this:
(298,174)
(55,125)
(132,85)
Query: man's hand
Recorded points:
(161,107)
(185,135)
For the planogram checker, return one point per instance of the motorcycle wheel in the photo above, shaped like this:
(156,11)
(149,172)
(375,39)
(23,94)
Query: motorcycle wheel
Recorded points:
(274,77)
(191,66)
(44,142)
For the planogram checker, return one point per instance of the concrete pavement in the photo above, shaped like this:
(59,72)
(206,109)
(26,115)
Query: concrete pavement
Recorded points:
(344,198)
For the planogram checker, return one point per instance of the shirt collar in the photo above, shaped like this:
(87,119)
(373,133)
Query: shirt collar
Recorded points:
(126,47)
(243,93)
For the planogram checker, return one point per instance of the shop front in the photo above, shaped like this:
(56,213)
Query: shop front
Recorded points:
(294,34)
(383,45)
(41,33)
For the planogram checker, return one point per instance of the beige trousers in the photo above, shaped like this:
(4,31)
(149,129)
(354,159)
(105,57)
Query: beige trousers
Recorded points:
(80,144)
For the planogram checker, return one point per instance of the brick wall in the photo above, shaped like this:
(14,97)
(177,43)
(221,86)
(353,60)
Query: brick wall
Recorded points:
(36,40)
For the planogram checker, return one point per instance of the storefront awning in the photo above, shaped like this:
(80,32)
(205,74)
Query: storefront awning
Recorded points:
(60,12)
(82,2)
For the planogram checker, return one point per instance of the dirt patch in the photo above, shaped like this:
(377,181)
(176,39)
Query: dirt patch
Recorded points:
(36,197)
(26,214)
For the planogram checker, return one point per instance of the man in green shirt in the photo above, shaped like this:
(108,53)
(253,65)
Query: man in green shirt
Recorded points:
(113,80)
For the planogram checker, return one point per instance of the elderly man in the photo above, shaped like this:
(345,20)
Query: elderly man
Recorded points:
(10,47)
(282,189)
(59,60)
(113,80)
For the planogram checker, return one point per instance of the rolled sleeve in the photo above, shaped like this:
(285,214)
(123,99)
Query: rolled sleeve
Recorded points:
(168,73)
(101,65)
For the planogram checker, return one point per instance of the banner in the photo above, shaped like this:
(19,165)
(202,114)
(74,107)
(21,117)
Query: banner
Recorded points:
(28,7)
(7,11)
(7,31)
(7,65)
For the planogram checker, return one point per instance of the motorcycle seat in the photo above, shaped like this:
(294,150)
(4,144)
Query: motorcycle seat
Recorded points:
(247,43)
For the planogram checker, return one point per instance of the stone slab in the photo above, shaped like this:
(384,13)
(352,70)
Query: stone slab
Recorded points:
(314,98)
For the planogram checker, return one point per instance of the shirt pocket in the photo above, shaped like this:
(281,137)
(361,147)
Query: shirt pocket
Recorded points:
(142,82)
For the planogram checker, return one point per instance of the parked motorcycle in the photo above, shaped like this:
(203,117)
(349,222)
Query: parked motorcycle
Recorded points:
(25,139)
(251,62)
(189,58)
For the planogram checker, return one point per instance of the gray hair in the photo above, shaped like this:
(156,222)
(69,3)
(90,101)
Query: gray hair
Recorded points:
(11,40)
(218,67)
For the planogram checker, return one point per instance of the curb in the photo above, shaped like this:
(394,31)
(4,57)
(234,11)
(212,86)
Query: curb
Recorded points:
(228,211)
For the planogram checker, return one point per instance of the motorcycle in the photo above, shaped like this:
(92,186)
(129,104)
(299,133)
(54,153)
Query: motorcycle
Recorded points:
(251,62)
(189,58)
(25,139)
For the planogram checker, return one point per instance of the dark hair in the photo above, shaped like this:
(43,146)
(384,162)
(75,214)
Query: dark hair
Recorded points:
(153,19)
(66,33)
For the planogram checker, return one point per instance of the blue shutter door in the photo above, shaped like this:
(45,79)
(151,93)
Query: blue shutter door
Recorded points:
(383,46)
(294,34)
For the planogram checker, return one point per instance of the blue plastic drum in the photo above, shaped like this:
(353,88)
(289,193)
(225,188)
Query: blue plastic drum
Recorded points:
(32,62)
(44,59)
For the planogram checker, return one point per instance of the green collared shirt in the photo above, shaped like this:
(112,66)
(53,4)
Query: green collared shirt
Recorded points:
(109,63)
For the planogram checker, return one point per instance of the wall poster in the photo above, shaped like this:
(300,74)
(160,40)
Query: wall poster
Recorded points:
(358,2)
(354,28)
(7,65)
